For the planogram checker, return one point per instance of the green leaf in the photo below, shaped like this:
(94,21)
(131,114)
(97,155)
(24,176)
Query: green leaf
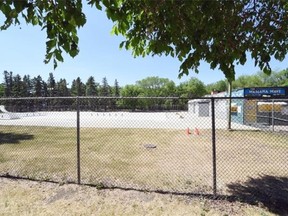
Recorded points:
(73,52)
(58,55)
(96,3)
(267,70)
(243,58)
(55,64)
(115,30)
(19,5)
(50,44)
(35,21)
(48,57)
(6,9)
(122,44)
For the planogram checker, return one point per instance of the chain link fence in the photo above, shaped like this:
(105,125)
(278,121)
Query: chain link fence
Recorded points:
(150,144)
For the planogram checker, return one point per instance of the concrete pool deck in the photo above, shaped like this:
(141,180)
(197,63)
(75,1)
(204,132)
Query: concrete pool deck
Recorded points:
(168,120)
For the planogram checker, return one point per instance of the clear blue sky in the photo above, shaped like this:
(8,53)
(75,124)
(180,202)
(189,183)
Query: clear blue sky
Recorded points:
(23,51)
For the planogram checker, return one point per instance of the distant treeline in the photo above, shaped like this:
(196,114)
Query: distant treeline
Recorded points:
(14,86)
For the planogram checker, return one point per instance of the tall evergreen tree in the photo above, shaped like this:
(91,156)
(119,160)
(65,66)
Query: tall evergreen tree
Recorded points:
(77,88)
(105,92)
(91,90)
(73,90)
(2,89)
(38,86)
(45,92)
(18,89)
(91,87)
(115,93)
(116,90)
(51,85)
(62,89)
(27,85)
(8,78)
(105,88)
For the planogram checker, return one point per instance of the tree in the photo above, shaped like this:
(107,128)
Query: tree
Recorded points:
(220,86)
(2,90)
(27,92)
(60,19)
(77,88)
(51,85)
(193,88)
(151,87)
(248,81)
(45,89)
(28,85)
(105,91)
(91,87)
(129,91)
(62,89)
(8,78)
(116,89)
(8,87)
(116,93)
(91,90)
(18,88)
(221,33)
(38,90)
(105,88)
(168,89)
(282,78)
(275,78)
(255,80)
(38,86)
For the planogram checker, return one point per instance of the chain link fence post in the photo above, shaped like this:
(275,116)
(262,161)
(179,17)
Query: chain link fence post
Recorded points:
(214,147)
(273,116)
(78,142)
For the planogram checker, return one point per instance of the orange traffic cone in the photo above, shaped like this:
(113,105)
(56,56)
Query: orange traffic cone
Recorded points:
(196,131)
(188,131)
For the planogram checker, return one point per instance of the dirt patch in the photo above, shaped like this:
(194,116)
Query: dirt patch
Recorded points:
(22,197)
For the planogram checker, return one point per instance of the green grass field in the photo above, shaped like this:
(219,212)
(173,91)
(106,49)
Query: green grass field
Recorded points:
(117,157)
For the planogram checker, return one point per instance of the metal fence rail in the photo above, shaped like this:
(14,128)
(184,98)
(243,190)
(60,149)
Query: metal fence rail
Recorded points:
(164,144)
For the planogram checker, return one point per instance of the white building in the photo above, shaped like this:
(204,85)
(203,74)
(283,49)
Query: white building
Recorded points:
(202,107)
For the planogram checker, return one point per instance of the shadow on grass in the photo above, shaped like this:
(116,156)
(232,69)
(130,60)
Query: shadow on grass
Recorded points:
(14,138)
(269,191)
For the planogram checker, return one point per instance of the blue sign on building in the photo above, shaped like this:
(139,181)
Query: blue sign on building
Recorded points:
(278,92)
